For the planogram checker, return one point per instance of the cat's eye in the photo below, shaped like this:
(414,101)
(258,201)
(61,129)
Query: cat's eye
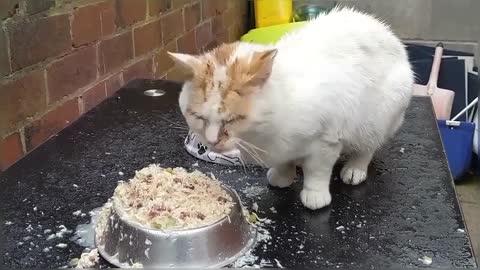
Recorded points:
(200,117)
(238,92)
(233,119)
(197,116)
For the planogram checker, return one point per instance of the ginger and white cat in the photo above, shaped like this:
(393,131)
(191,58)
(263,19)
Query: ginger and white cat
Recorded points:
(339,85)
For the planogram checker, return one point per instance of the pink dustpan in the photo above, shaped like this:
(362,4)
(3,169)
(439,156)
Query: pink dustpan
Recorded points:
(442,98)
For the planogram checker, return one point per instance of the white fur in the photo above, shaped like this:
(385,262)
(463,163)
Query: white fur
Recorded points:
(340,84)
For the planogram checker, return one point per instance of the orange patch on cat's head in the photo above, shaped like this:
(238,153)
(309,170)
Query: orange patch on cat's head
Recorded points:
(224,53)
(247,75)
(222,83)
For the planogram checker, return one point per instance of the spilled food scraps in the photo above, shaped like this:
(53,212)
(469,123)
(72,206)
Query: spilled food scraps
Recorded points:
(254,191)
(426,260)
(62,245)
(250,259)
(88,259)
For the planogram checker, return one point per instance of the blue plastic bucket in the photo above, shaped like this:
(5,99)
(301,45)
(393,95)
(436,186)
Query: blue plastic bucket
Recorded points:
(457,138)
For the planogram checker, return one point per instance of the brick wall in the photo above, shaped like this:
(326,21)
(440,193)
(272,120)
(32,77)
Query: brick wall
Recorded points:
(60,58)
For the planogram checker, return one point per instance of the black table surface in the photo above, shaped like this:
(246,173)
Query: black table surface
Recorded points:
(407,208)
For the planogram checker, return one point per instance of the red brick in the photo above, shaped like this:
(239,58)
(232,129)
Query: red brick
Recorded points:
(230,4)
(158,6)
(130,12)
(8,8)
(171,46)
(234,33)
(21,99)
(175,74)
(139,70)
(208,9)
(163,62)
(231,34)
(70,73)
(107,14)
(229,18)
(4,59)
(192,15)
(147,37)
(203,34)
(243,26)
(211,45)
(37,6)
(172,25)
(11,150)
(186,43)
(32,41)
(93,96)
(212,8)
(180,3)
(114,52)
(85,25)
(217,25)
(222,6)
(51,123)
(114,83)
(222,37)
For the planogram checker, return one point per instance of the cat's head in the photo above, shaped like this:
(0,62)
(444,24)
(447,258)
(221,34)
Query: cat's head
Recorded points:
(217,97)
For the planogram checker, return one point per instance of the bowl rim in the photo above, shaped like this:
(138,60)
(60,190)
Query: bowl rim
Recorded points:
(124,217)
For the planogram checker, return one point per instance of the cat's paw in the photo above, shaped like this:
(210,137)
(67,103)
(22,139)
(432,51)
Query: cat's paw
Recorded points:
(276,179)
(353,176)
(315,199)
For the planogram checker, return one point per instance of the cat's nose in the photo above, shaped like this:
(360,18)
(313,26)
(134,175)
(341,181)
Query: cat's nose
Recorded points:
(211,134)
(213,142)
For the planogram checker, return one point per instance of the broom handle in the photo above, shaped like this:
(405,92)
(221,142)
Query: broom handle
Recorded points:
(437,60)
(466,109)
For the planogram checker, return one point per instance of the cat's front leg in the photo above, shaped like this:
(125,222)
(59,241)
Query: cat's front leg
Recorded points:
(281,176)
(355,169)
(317,170)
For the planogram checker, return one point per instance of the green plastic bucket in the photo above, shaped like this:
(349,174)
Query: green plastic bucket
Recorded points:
(270,34)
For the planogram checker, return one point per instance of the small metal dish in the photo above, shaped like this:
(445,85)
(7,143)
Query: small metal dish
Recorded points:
(125,243)
(154,92)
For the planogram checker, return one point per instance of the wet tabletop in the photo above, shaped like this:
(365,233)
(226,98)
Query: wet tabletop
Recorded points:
(406,210)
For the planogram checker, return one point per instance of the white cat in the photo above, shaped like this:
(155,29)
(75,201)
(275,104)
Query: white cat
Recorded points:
(339,85)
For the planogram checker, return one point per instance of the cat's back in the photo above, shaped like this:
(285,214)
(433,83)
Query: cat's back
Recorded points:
(345,66)
(343,32)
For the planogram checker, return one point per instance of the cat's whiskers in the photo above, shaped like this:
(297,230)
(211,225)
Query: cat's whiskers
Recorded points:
(255,156)
(243,164)
(173,123)
(181,128)
(245,150)
(253,146)
(250,154)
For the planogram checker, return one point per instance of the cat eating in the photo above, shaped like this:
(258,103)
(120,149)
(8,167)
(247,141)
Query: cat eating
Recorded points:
(338,85)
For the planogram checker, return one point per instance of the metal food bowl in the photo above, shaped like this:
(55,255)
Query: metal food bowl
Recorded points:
(126,243)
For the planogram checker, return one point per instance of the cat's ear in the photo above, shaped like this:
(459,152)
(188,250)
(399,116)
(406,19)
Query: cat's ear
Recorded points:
(261,67)
(186,62)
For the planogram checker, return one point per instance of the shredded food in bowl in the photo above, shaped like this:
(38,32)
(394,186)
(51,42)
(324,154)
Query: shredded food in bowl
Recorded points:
(173,199)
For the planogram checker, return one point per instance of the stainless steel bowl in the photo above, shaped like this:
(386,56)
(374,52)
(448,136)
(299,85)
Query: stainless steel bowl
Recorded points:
(125,243)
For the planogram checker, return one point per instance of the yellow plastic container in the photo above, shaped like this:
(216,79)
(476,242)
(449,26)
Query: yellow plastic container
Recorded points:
(272,12)
(270,34)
